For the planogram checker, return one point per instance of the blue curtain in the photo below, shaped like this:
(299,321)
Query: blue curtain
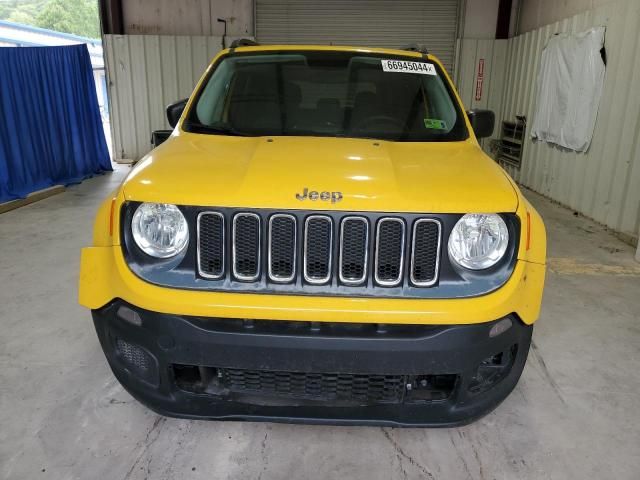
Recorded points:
(50,127)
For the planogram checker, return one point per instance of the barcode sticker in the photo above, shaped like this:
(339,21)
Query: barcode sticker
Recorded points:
(403,66)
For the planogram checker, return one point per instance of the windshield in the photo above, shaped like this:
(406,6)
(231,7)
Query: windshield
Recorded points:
(336,94)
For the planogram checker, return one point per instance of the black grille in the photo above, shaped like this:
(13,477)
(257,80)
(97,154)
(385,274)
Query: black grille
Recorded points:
(337,389)
(211,245)
(426,245)
(390,251)
(282,248)
(354,247)
(318,249)
(246,253)
(318,253)
(320,386)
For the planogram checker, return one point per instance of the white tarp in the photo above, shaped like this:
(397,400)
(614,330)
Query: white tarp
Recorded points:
(569,87)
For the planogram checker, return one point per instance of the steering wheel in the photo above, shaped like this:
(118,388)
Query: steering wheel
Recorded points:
(369,122)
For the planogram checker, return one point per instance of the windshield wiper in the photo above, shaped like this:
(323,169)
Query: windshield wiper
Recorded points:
(197,127)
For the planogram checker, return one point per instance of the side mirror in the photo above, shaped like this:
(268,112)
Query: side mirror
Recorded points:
(482,122)
(158,137)
(174,111)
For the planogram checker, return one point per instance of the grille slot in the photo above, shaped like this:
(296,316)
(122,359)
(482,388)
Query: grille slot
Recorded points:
(282,248)
(317,386)
(354,250)
(211,244)
(246,246)
(389,260)
(318,249)
(425,252)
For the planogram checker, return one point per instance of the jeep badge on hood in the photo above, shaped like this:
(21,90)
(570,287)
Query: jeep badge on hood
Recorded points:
(324,196)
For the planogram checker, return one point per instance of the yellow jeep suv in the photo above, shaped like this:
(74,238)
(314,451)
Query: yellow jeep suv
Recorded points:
(320,239)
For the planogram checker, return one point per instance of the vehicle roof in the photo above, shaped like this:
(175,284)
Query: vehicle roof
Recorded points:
(335,48)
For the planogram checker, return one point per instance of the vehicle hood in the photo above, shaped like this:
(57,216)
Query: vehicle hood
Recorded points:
(371,175)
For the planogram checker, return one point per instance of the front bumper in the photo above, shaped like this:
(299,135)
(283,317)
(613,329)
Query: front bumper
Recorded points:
(312,372)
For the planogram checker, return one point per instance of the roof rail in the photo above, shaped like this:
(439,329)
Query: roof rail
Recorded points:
(243,42)
(416,47)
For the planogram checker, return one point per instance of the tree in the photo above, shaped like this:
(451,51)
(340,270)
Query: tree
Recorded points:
(21,16)
(79,17)
(23,11)
(5,11)
(6,8)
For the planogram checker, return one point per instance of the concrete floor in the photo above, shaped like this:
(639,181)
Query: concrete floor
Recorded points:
(574,414)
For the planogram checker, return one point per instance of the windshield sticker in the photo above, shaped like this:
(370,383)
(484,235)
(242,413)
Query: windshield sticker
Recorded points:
(403,66)
(435,124)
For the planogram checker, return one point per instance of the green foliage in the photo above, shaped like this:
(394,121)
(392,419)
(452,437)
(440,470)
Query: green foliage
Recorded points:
(21,11)
(21,16)
(5,11)
(79,17)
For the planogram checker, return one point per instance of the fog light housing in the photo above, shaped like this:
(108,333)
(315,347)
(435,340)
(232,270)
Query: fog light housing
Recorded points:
(137,361)
(492,370)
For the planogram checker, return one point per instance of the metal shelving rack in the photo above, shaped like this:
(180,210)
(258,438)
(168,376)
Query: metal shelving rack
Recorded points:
(509,147)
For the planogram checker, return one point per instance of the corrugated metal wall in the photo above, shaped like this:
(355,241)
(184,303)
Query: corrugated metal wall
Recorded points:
(604,183)
(492,54)
(372,23)
(145,74)
(187,17)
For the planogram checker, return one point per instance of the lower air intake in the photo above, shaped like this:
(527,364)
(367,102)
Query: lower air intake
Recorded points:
(335,388)
(322,386)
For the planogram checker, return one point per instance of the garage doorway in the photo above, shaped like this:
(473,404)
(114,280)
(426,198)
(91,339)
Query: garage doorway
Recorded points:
(373,23)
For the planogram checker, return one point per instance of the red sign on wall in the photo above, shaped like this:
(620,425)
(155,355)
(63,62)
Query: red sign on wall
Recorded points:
(479,79)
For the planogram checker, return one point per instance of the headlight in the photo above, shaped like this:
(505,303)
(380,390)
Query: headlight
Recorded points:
(478,241)
(160,229)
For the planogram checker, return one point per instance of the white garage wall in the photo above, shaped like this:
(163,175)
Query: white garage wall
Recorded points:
(147,73)
(537,13)
(491,95)
(187,17)
(604,183)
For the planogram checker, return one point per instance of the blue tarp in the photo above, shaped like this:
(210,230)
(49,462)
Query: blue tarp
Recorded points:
(50,127)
